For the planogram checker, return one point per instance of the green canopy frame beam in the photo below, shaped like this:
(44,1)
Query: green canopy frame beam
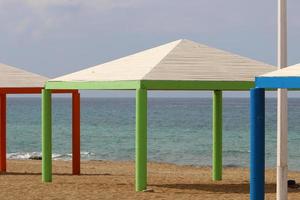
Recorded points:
(153,85)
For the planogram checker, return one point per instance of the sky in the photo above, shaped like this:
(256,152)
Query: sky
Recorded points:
(56,37)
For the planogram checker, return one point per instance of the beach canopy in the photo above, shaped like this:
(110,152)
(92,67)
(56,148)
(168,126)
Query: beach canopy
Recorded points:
(282,79)
(179,65)
(288,77)
(175,65)
(14,81)
(11,77)
(18,81)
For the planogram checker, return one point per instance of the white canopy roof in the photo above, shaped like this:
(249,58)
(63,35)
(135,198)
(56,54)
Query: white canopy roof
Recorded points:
(178,60)
(292,71)
(11,77)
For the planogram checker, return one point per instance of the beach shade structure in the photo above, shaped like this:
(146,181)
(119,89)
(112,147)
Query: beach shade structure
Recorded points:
(17,81)
(285,78)
(179,65)
(282,80)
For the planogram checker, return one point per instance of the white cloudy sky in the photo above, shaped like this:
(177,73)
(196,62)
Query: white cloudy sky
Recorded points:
(54,37)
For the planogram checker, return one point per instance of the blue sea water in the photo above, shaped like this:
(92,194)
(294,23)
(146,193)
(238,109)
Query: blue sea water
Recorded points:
(179,130)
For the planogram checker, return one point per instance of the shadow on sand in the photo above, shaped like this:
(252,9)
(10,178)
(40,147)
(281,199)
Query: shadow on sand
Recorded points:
(56,174)
(242,188)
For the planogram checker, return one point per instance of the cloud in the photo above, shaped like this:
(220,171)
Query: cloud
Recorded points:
(61,18)
(38,18)
(91,4)
(85,32)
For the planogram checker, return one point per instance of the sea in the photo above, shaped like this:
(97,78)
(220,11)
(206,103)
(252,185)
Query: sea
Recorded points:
(179,130)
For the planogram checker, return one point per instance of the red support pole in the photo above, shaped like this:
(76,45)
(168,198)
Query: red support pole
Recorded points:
(2,132)
(76,133)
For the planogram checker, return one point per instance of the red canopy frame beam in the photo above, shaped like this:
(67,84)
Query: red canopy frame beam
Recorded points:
(75,123)
(31,91)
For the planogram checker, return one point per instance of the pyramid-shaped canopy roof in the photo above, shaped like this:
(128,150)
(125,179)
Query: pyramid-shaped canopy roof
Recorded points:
(11,77)
(292,71)
(288,77)
(179,60)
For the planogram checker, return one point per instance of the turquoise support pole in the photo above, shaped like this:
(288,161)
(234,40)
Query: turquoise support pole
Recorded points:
(217,135)
(46,136)
(141,140)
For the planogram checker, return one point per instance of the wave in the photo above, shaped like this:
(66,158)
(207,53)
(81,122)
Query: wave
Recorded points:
(237,151)
(38,156)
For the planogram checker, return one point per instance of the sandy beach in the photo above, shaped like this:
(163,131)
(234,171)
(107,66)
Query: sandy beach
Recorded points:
(115,180)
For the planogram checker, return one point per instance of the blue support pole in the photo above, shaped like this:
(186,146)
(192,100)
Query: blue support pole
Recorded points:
(257,144)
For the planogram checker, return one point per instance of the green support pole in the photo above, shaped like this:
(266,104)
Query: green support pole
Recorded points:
(217,135)
(141,140)
(46,136)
